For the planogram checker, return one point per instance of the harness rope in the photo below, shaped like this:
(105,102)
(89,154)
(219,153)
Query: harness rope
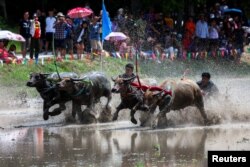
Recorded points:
(84,89)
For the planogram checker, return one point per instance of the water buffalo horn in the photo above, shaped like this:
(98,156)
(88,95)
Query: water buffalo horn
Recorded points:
(78,79)
(46,74)
(159,93)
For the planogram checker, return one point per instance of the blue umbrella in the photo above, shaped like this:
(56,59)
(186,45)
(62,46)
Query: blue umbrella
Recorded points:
(233,10)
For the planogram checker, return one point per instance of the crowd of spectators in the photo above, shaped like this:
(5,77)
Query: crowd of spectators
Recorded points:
(69,36)
(152,35)
(217,33)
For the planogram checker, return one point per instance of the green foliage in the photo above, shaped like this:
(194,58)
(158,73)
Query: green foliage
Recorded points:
(139,164)
(17,75)
(3,24)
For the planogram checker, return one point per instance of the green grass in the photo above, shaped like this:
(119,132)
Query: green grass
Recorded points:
(16,76)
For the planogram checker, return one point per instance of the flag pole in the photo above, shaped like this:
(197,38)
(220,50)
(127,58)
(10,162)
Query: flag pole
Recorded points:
(54,53)
(136,65)
(106,27)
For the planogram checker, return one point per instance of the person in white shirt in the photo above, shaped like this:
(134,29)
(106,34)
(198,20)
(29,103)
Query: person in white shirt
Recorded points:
(49,30)
(201,33)
(213,31)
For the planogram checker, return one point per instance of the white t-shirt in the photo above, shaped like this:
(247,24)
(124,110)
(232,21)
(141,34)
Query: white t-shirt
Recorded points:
(50,24)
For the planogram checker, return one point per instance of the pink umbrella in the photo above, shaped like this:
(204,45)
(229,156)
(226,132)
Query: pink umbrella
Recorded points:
(4,34)
(79,12)
(116,36)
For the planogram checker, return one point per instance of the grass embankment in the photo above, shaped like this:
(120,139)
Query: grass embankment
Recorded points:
(16,76)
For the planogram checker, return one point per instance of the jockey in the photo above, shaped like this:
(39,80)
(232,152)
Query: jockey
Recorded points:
(207,87)
(129,71)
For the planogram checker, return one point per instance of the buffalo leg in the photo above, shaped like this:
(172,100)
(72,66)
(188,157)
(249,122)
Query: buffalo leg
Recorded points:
(87,117)
(132,114)
(200,106)
(76,108)
(45,111)
(109,97)
(203,113)
(105,115)
(118,109)
(133,111)
(58,110)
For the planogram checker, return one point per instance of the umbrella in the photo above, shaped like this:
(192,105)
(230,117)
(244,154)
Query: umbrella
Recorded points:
(118,36)
(79,12)
(4,34)
(232,11)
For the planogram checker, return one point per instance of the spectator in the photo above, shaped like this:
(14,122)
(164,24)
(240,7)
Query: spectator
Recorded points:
(115,26)
(69,35)
(169,22)
(82,39)
(121,18)
(95,39)
(42,18)
(238,41)
(60,38)
(188,33)
(35,31)
(213,36)
(223,6)
(49,30)
(12,54)
(7,57)
(3,51)
(201,32)
(24,30)
(171,45)
(141,27)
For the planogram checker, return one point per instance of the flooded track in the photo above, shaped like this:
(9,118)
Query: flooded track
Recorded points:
(118,144)
(27,140)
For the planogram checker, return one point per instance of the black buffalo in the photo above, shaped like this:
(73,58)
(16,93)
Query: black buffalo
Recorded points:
(46,86)
(87,91)
(131,97)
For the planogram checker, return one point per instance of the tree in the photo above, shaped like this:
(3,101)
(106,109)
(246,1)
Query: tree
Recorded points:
(3,5)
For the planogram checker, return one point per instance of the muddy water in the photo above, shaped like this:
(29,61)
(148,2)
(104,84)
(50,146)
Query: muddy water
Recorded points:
(27,140)
(119,144)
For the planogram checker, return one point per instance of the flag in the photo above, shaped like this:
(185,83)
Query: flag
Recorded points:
(106,23)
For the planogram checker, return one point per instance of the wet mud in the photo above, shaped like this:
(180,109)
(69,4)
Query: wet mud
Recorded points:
(27,140)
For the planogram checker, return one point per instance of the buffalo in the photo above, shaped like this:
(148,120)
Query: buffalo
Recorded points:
(131,96)
(44,84)
(185,93)
(87,91)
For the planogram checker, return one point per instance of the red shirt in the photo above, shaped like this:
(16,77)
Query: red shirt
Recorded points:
(37,30)
(3,54)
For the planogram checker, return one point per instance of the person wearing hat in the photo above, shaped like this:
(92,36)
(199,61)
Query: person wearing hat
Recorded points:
(60,36)
(35,32)
(207,87)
